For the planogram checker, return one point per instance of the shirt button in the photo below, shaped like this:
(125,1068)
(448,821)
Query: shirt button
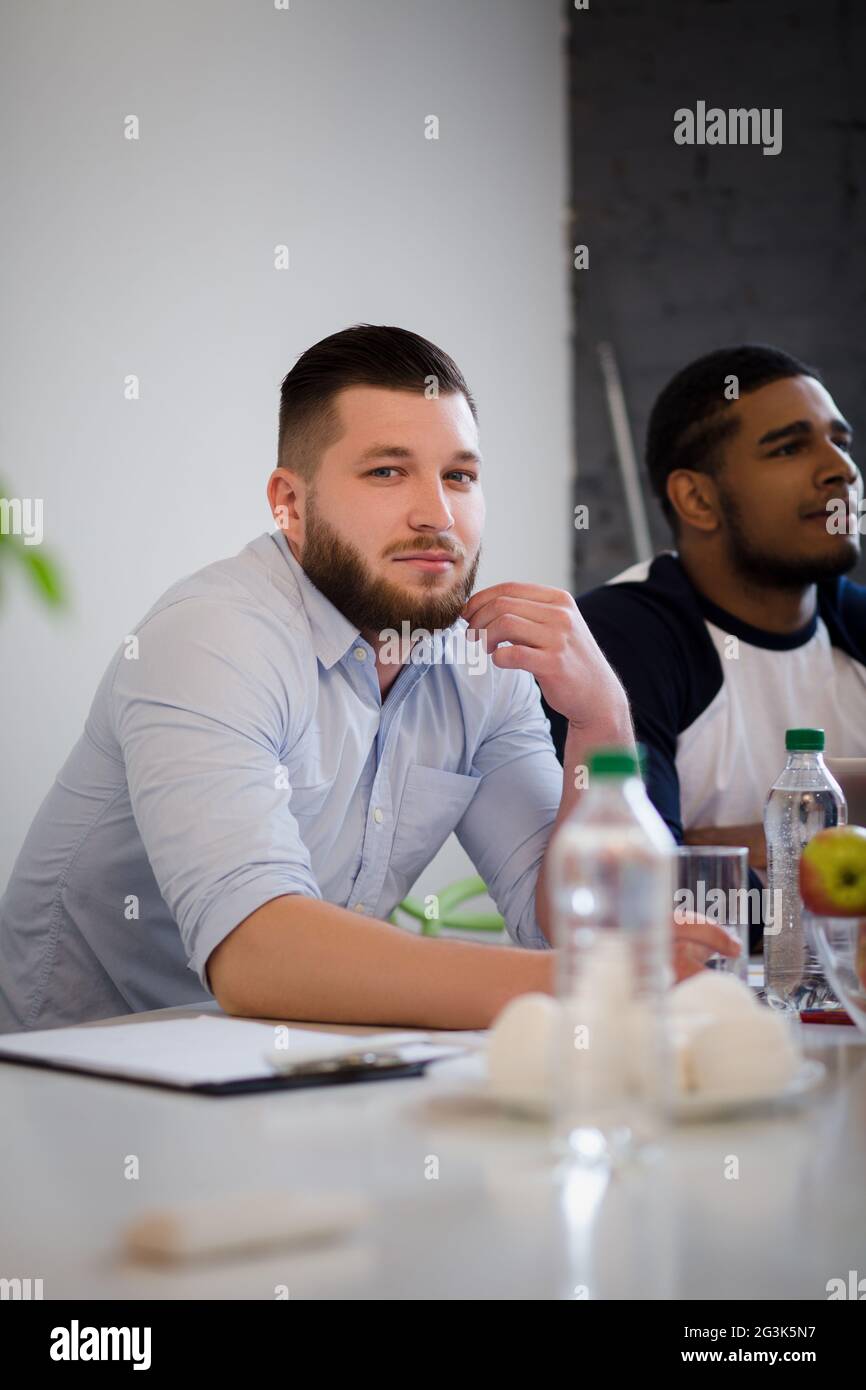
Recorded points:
(359,654)
(359,907)
(378,815)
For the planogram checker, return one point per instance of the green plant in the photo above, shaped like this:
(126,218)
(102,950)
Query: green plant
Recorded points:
(39,567)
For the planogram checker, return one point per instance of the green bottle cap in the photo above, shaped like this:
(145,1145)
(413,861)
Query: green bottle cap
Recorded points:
(804,740)
(613,761)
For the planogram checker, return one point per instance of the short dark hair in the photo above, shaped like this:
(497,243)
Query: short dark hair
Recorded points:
(367,354)
(691,418)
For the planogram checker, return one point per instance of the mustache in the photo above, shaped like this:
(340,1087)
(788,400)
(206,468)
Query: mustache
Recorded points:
(849,499)
(441,543)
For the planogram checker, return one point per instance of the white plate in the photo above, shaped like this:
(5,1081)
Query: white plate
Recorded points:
(694,1106)
(703,1105)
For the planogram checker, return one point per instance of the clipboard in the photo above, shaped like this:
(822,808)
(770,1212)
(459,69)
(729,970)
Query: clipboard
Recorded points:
(221,1056)
(336,1076)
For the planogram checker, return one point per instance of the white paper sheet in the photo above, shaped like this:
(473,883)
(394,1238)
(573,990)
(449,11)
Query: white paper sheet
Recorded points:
(192,1051)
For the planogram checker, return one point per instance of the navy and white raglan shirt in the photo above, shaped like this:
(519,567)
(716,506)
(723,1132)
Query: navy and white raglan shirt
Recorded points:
(712,696)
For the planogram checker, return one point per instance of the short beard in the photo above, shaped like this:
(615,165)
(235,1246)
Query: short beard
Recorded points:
(340,572)
(765,570)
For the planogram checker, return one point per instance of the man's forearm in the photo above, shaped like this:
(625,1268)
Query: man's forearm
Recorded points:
(302,959)
(614,728)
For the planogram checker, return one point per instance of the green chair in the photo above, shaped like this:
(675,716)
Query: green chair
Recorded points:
(449,900)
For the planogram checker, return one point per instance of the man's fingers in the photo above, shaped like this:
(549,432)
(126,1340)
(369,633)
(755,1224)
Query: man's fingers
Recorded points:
(531,659)
(538,593)
(530,608)
(693,929)
(686,966)
(512,628)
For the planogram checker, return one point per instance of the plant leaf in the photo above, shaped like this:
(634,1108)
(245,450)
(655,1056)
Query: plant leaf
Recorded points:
(44,575)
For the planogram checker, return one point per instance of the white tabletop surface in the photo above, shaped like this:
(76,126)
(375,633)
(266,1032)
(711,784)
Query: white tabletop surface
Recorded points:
(495,1223)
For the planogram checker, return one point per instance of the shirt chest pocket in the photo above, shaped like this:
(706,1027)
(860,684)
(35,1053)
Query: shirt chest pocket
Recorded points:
(431,806)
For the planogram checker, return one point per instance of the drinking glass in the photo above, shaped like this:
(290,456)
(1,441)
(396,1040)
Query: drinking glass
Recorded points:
(713,880)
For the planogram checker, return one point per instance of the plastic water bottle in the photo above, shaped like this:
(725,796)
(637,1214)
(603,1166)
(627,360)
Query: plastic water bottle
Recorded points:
(803,800)
(612,886)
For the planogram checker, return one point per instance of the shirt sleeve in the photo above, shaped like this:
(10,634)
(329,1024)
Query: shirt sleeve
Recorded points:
(842,605)
(670,671)
(508,825)
(201,716)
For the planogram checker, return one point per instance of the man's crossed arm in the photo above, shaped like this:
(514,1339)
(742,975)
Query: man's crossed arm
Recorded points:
(304,959)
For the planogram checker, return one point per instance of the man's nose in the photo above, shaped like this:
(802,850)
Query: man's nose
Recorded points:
(837,466)
(430,510)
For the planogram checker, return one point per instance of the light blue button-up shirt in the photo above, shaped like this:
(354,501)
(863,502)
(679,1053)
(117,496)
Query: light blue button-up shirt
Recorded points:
(238,749)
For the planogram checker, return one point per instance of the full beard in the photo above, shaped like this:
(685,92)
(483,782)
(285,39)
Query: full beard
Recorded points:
(340,572)
(762,568)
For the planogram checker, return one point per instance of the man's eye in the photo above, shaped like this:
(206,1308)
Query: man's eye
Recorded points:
(386,469)
(795,445)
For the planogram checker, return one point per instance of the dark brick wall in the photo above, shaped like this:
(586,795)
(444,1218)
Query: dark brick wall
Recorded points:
(691,248)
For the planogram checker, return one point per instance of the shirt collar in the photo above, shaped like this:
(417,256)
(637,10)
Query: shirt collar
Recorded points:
(747,632)
(332,632)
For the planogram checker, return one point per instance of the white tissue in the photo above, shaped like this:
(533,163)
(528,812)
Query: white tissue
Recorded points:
(721,1042)
(520,1050)
(712,992)
(750,1055)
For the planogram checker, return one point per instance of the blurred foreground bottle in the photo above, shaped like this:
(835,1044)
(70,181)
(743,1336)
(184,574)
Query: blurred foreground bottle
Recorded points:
(612,887)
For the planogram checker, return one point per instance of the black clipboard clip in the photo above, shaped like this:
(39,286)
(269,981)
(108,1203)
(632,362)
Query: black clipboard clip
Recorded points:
(344,1069)
(351,1066)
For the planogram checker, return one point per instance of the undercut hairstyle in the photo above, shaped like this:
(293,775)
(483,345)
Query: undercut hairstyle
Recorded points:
(692,418)
(367,354)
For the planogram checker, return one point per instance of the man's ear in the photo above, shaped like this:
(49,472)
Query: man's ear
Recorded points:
(285,498)
(694,498)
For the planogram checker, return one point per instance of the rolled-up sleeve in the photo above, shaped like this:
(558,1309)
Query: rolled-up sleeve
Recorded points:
(201,713)
(508,825)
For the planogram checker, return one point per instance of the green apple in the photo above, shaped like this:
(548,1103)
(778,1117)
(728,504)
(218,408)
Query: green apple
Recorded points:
(833,872)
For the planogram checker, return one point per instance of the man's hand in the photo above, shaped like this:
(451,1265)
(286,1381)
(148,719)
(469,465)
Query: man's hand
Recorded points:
(695,940)
(752,836)
(549,639)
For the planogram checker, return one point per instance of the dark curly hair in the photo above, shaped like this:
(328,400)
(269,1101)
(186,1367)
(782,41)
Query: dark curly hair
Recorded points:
(691,418)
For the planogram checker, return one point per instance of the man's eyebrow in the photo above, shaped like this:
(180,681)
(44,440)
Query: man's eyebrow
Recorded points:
(398,451)
(802,427)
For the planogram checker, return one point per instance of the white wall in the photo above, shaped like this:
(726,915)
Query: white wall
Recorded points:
(257,126)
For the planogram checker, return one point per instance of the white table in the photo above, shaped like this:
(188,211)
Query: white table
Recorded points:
(495,1223)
